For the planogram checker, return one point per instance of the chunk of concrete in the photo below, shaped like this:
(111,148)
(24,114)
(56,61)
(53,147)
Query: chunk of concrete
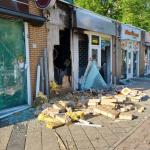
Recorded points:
(126,116)
(107,111)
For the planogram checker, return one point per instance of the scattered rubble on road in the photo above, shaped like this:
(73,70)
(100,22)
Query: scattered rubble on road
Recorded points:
(77,106)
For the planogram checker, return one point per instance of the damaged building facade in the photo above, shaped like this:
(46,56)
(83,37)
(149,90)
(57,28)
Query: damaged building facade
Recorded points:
(59,43)
(93,39)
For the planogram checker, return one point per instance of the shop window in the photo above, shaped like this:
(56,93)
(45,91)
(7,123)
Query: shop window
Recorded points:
(13,72)
(95,55)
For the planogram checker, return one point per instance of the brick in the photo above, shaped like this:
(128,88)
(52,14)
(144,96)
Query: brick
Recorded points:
(110,101)
(126,116)
(107,111)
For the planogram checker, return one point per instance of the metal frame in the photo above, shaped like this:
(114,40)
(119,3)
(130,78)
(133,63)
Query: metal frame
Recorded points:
(28,62)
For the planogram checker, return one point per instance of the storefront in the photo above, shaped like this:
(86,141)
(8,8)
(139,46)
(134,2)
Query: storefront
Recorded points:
(58,44)
(15,83)
(130,48)
(147,54)
(93,41)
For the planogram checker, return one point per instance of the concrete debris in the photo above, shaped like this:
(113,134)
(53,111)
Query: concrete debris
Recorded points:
(125,91)
(123,109)
(93,102)
(108,100)
(127,108)
(50,112)
(59,107)
(120,97)
(107,111)
(142,109)
(126,116)
(78,106)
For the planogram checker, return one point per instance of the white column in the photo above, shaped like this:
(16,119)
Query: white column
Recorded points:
(28,63)
(75,59)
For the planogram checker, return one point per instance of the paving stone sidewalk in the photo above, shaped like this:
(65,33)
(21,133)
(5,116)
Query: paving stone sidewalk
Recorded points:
(138,140)
(115,134)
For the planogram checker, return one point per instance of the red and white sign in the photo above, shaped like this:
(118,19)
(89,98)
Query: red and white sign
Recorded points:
(130,33)
(45,4)
(147,37)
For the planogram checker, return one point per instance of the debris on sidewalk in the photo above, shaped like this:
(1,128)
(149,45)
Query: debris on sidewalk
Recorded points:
(77,106)
(87,123)
(108,100)
(126,116)
(93,102)
(142,109)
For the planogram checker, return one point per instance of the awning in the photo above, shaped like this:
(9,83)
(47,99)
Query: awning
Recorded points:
(85,19)
(33,19)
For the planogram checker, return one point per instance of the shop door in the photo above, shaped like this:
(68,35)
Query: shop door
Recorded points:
(13,75)
(129,64)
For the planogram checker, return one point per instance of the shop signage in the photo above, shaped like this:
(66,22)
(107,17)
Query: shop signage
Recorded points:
(130,33)
(16,5)
(147,37)
(45,4)
(95,40)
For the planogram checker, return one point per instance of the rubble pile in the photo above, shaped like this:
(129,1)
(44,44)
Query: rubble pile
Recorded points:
(78,105)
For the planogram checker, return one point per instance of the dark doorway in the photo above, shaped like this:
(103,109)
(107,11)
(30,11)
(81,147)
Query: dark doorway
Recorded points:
(62,58)
(106,61)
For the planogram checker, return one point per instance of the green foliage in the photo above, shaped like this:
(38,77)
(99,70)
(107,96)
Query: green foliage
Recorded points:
(135,12)
(110,8)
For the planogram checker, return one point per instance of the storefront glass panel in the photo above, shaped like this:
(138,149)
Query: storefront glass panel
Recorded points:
(13,75)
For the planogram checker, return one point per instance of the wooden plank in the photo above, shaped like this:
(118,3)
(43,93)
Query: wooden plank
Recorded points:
(33,139)
(49,140)
(42,74)
(17,139)
(5,134)
(46,71)
(38,81)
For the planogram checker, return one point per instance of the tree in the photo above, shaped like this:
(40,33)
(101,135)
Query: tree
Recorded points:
(135,12)
(109,8)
